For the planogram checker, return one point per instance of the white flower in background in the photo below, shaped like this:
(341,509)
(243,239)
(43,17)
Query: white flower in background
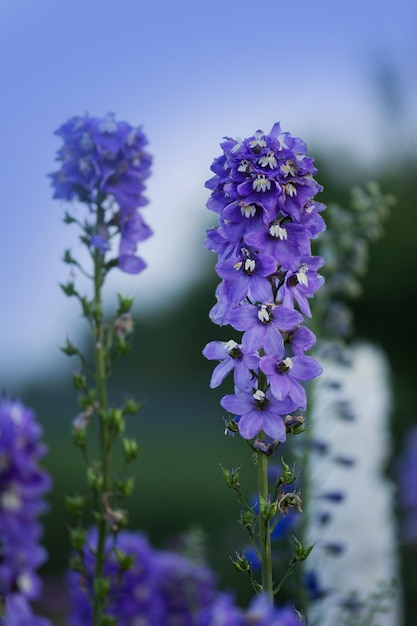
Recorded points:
(350,502)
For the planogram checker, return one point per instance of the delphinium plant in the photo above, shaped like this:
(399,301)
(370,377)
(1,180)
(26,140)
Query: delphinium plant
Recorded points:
(263,192)
(23,486)
(103,169)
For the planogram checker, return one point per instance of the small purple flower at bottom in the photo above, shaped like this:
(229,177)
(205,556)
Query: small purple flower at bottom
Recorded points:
(19,613)
(260,613)
(259,411)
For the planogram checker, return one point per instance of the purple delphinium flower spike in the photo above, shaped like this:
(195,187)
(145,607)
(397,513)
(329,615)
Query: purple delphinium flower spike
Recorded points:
(161,587)
(23,485)
(104,165)
(263,192)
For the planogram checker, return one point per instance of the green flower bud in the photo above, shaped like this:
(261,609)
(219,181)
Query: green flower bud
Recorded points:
(68,289)
(130,449)
(125,561)
(131,406)
(125,486)
(231,477)
(79,380)
(101,587)
(267,509)
(241,564)
(301,553)
(79,436)
(75,504)
(125,304)
(77,538)
(94,478)
(247,519)
(69,349)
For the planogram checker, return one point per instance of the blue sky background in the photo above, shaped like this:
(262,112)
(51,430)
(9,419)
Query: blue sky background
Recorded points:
(190,72)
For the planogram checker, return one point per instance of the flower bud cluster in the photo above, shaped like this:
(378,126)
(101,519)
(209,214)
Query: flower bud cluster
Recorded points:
(22,487)
(263,192)
(104,164)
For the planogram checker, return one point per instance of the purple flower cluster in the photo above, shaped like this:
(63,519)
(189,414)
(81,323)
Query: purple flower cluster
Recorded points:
(104,164)
(160,588)
(260,613)
(263,192)
(23,485)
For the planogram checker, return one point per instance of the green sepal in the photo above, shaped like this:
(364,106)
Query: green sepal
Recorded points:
(131,406)
(301,553)
(69,289)
(287,477)
(231,477)
(68,219)
(69,349)
(130,449)
(241,564)
(79,436)
(125,486)
(79,381)
(88,399)
(125,561)
(101,587)
(125,304)
(267,510)
(68,258)
(247,519)
(78,538)
(75,504)
(76,564)
(94,478)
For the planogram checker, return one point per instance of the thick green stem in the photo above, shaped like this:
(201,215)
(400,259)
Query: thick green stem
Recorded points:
(99,599)
(264,530)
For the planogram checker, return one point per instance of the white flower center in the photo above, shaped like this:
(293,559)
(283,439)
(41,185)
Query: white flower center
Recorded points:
(276,231)
(230,345)
(268,159)
(248,210)
(288,362)
(288,168)
(259,395)
(243,166)
(290,189)
(249,265)
(258,140)
(302,275)
(263,314)
(261,183)
(10,500)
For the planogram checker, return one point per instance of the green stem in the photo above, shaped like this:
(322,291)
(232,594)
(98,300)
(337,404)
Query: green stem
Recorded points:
(264,530)
(99,600)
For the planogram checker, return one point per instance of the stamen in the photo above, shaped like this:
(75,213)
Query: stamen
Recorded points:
(261,183)
(263,314)
(268,159)
(248,210)
(276,231)
(302,275)
(249,265)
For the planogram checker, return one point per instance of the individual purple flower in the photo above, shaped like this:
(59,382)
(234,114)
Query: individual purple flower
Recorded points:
(232,356)
(259,411)
(104,164)
(222,612)
(284,376)
(23,485)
